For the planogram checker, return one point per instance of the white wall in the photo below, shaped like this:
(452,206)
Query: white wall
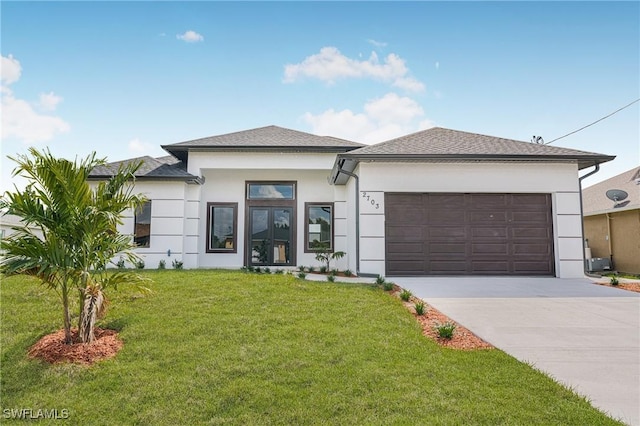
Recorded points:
(228,185)
(167,222)
(558,179)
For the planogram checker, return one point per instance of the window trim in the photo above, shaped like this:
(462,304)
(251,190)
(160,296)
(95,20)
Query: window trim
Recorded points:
(306,224)
(135,223)
(293,183)
(210,207)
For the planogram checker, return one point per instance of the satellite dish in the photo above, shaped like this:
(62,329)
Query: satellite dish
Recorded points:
(617,195)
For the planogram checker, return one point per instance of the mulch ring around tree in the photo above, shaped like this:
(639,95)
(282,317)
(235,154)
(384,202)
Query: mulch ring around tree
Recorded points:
(462,339)
(52,349)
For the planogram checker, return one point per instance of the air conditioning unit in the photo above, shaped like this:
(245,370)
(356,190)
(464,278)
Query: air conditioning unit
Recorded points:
(598,264)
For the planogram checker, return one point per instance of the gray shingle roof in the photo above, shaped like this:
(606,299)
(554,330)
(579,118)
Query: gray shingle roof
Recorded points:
(595,201)
(167,167)
(453,144)
(268,137)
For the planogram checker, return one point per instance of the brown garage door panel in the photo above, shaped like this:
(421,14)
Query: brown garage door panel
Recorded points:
(501,234)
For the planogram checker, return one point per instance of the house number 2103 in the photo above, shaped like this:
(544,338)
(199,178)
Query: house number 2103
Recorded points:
(370,200)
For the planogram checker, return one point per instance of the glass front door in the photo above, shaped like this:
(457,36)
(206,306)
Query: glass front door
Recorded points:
(270,233)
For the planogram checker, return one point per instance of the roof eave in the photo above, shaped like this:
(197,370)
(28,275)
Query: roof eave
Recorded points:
(583,161)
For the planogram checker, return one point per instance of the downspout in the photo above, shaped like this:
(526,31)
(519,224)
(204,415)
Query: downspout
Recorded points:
(584,254)
(355,176)
(609,239)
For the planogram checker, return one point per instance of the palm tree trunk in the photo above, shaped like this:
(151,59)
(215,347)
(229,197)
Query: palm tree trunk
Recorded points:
(91,308)
(67,317)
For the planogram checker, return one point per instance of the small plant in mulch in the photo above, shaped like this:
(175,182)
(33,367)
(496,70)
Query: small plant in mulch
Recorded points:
(302,268)
(177,264)
(331,278)
(445,330)
(267,270)
(302,275)
(323,269)
(348,273)
(140,264)
(614,280)
(278,271)
(420,308)
(120,263)
(311,269)
(380,280)
(405,295)
(162,264)
(387,286)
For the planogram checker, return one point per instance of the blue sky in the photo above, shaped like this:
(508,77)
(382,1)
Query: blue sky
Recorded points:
(123,78)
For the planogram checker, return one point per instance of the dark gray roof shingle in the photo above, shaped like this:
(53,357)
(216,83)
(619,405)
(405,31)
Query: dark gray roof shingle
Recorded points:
(441,141)
(167,167)
(268,137)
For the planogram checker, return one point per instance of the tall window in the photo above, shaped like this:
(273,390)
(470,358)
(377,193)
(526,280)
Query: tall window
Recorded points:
(318,225)
(142,226)
(222,219)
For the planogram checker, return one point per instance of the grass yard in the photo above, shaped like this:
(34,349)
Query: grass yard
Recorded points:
(221,347)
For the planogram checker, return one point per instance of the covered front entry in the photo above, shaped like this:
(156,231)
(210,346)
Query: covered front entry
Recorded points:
(270,236)
(468,234)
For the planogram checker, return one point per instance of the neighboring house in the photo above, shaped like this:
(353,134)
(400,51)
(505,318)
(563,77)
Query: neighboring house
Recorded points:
(613,227)
(435,202)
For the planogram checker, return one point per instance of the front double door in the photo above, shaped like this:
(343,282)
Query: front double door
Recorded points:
(271,233)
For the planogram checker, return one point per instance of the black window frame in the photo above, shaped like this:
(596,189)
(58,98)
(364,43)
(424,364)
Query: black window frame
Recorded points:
(210,217)
(137,212)
(308,249)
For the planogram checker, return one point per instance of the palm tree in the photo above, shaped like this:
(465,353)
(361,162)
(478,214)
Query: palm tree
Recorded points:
(68,234)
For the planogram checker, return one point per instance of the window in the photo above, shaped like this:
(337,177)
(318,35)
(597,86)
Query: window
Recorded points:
(318,225)
(142,225)
(270,191)
(221,227)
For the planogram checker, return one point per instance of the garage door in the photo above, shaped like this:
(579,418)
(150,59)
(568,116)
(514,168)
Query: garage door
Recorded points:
(468,234)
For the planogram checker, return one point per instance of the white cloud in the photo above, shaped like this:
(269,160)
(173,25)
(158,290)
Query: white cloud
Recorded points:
(49,101)
(382,119)
(330,65)
(10,70)
(377,43)
(190,37)
(19,119)
(137,146)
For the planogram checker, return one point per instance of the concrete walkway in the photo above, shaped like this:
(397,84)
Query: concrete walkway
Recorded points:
(584,335)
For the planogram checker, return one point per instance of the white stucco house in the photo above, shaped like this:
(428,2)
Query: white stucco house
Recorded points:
(436,202)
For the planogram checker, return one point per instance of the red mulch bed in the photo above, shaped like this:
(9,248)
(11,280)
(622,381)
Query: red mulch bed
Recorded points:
(635,287)
(52,349)
(462,338)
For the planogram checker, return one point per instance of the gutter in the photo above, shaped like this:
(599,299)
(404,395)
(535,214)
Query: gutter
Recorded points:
(357,200)
(584,252)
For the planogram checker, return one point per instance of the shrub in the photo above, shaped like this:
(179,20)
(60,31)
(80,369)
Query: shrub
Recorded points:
(387,286)
(302,275)
(323,269)
(331,278)
(258,270)
(445,330)
(250,268)
(177,264)
(267,270)
(120,264)
(348,273)
(405,295)
(162,264)
(278,272)
(420,308)
(140,264)
(614,280)
(301,268)
(311,269)
(380,280)
(334,272)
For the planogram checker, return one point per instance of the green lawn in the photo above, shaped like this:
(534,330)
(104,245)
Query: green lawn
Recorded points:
(220,347)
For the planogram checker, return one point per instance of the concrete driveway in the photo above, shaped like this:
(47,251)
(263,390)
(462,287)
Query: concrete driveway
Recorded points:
(584,335)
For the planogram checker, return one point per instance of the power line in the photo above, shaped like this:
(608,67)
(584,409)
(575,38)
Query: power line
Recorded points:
(597,121)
